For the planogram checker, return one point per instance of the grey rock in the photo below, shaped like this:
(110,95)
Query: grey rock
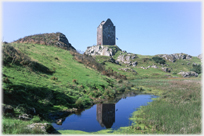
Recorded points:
(154,66)
(25,117)
(8,109)
(44,127)
(165,69)
(200,56)
(127,58)
(188,74)
(112,60)
(127,70)
(134,63)
(195,64)
(60,121)
(143,67)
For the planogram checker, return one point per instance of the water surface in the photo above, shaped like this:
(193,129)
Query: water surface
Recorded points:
(102,116)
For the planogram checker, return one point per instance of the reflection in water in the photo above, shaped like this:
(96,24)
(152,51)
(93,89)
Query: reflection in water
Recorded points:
(105,114)
(113,113)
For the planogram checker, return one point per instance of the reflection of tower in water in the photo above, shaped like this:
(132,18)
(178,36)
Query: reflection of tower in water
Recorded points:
(105,114)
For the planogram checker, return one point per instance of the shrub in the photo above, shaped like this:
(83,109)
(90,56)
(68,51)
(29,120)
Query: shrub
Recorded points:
(36,119)
(197,68)
(159,60)
(54,78)
(87,60)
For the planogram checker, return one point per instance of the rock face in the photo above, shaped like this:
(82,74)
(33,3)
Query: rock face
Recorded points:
(56,39)
(102,50)
(200,56)
(188,74)
(174,57)
(128,58)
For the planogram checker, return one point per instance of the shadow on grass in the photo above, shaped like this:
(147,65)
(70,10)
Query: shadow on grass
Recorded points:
(41,98)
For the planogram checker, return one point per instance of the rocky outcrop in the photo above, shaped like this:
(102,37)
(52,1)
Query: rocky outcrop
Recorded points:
(60,121)
(43,127)
(8,110)
(174,57)
(153,66)
(25,117)
(165,69)
(127,70)
(200,56)
(134,63)
(56,39)
(194,64)
(112,60)
(188,74)
(128,58)
(102,50)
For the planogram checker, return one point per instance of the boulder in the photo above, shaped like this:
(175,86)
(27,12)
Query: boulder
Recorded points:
(143,67)
(44,127)
(134,63)
(200,56)
(8,109)
(154,66)
(165,69)
(25,117)
(112,60)
(60,121)
(188,74)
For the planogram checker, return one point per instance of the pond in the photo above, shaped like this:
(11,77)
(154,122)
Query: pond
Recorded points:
(112,114)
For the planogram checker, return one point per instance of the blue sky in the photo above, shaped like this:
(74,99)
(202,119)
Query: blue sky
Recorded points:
(146,28)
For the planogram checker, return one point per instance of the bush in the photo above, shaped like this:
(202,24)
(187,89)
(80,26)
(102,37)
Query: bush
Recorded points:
(197,68)
(159,60)
(87,60)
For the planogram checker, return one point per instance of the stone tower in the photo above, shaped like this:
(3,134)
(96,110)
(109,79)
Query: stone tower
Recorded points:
(106,33)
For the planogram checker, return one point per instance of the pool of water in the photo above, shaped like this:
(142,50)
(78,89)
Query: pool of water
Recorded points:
(102,116)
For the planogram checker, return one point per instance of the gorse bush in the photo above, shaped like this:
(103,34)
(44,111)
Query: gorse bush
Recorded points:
(109,72)
(87,61)
(159,60)
(197,68)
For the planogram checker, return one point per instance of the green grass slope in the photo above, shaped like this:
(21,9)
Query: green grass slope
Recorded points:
(70,84)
